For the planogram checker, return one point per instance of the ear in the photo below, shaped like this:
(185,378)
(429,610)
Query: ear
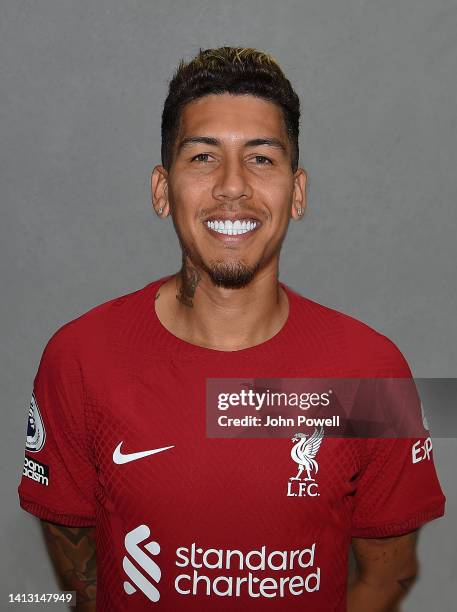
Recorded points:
(159,191)
(299,195)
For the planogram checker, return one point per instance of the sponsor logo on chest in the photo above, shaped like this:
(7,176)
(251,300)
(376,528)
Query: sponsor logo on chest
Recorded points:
(219,572)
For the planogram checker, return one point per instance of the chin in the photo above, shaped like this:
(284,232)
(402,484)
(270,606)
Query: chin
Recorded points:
(234,275)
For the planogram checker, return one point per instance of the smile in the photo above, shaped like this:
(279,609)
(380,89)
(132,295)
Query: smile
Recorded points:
(231,228)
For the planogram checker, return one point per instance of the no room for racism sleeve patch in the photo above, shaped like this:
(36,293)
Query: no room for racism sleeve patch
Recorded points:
(33,469)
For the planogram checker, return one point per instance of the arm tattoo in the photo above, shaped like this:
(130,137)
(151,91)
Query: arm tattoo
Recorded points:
(390,561)
(190,277)
(72,550)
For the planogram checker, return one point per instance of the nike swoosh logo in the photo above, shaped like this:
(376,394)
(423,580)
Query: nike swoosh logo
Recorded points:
(121,458)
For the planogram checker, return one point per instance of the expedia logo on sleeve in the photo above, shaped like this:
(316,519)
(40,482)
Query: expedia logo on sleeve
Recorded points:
(36,434)
(33,469)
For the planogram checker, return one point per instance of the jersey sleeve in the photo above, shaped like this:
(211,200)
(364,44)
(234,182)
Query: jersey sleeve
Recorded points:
(398,491)
(59,477)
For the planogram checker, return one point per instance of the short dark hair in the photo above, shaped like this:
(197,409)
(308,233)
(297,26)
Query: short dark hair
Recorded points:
(234,70)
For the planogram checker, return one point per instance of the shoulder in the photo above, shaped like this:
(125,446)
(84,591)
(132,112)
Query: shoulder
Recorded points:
(98,327)
(363,348)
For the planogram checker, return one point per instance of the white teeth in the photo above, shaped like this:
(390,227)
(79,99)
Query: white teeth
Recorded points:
(230,228)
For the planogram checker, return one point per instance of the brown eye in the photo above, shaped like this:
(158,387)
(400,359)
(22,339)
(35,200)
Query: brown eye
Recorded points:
(262,160)
(201,157)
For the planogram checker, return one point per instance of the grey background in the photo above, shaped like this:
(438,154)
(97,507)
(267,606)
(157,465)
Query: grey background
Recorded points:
(82,87)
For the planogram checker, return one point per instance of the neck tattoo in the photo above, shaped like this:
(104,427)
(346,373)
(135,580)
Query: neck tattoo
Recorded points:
(190,277)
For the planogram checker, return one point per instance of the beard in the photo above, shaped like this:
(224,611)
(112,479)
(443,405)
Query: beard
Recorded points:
(227,274)
(231,274)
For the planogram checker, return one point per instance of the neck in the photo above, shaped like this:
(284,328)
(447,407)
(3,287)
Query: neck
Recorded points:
(194,309)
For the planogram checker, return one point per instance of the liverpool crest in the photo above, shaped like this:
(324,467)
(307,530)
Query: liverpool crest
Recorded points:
(304,454)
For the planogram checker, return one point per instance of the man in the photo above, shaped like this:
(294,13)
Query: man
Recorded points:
(119,466)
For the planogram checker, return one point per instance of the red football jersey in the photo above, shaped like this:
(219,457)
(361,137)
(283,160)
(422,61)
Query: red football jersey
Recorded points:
(117,438)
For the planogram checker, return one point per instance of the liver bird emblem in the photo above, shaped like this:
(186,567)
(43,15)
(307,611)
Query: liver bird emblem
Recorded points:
(304,451)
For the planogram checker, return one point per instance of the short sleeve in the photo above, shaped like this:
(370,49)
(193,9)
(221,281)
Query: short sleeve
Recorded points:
(398,490)
(58,479)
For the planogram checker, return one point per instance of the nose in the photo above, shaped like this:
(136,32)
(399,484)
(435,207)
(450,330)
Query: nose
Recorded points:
(232,182)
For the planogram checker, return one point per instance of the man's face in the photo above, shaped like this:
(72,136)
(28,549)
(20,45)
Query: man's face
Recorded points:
(230,189)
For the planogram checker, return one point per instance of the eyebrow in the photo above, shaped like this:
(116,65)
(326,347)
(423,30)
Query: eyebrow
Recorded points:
(215,142)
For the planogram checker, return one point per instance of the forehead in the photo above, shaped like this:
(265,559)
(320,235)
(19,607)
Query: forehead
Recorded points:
(232,116)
